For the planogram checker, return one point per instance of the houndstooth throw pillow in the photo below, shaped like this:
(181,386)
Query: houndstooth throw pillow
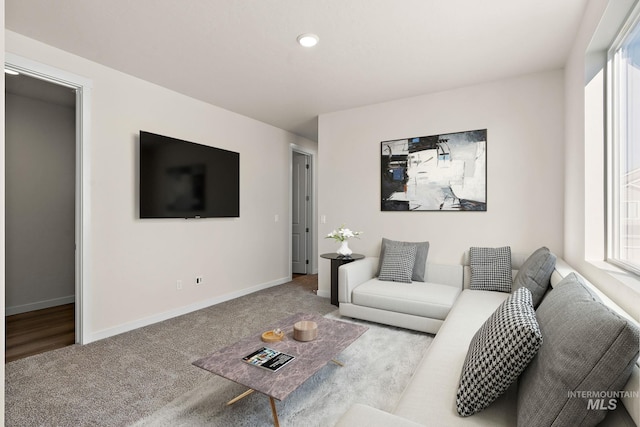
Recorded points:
(397,265)
(498,353)
(491,269)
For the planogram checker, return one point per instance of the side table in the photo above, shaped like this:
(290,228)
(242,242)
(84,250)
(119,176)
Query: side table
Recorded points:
(337,261)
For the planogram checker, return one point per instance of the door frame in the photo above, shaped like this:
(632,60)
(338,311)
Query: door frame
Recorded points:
(83,87)
(311,214)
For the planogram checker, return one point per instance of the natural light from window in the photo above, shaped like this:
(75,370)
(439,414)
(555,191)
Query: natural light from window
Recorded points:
(624,152)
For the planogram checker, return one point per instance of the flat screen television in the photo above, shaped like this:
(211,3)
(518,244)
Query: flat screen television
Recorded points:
(181,179)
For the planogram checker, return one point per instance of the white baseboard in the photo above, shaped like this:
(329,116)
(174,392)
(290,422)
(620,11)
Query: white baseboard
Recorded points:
(324,294)
(39,305)
(130,326)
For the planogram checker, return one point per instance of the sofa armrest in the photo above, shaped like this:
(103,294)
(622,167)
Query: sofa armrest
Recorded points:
(353,274)
(366,416)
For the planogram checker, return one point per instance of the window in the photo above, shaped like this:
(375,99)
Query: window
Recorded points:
(624,148)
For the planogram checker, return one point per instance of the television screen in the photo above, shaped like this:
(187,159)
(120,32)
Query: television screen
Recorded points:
(181,179)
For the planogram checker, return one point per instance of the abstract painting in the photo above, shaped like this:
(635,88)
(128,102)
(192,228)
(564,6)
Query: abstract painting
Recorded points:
(446,172)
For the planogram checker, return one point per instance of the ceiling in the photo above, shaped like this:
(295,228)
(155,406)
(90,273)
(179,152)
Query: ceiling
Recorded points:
(242,55)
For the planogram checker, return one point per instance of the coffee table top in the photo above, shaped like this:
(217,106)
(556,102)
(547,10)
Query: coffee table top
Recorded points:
(333,337)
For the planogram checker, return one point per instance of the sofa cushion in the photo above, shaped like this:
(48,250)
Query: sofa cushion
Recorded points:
(422,250)
(587,348)
(535,274)
(397,265)
(491,269)
(419,299)
(430,397)
(498,353)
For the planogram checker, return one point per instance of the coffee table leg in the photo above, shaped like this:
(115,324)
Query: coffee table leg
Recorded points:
(242,396)
(276,423)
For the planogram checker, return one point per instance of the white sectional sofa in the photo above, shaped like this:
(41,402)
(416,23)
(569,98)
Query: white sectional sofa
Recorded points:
(430,397)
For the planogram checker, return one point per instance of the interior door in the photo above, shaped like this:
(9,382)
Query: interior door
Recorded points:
(300,214)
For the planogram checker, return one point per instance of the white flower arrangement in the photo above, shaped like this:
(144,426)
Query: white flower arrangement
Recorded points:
(343,234)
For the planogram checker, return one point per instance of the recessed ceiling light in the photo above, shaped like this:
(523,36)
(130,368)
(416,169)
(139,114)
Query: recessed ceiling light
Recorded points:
(11,72)
(308,40)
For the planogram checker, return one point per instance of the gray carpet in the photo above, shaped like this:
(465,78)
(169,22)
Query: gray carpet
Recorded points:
(146,377)
(377,367)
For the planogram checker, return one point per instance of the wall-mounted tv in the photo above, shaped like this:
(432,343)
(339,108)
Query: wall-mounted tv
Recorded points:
(181,179)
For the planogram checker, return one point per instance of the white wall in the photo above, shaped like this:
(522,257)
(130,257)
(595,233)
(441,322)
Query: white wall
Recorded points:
(135,263)
(524,119)
(584,193)
(40,204)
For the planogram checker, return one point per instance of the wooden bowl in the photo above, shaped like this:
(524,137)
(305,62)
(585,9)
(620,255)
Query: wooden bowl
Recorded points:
(305,330)
(272,336)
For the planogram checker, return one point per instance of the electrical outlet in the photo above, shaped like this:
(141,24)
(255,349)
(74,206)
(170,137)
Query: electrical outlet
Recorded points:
(179,285)
(199,280)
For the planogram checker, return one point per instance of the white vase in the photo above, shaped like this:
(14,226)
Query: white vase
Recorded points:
(344,249)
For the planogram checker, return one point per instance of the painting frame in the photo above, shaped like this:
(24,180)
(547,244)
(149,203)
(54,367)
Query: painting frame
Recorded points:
(442,172)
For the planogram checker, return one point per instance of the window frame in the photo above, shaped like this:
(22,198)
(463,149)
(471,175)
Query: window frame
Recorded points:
(616,123)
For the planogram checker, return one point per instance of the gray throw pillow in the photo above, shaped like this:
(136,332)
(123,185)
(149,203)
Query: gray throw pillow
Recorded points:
(500,350)
(491,269)
(535,274)
(587,348)
(422,250)
(398,264)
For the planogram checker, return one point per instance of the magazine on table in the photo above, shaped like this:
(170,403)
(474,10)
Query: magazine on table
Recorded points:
(268,358)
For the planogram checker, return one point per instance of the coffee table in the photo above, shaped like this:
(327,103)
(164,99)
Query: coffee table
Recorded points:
(333,337)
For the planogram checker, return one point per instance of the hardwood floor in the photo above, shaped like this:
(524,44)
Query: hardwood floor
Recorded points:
(308,281)
(39,331)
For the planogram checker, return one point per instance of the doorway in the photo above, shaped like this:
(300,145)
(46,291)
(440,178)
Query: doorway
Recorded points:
(40,83)
(301,210)
(40,215)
